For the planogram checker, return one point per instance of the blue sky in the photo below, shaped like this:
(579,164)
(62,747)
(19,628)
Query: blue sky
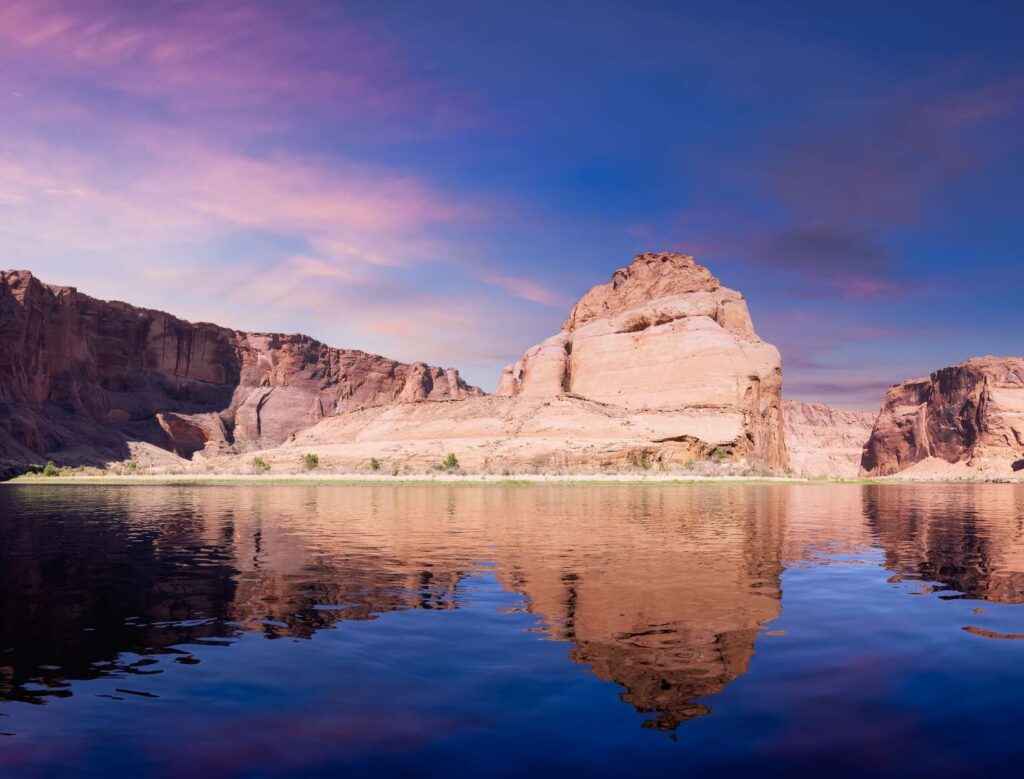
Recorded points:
(440,181)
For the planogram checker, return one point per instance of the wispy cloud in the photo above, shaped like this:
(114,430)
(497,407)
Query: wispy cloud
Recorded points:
(226,57)
(524,288)
(826,198)
(833,260)
(880,162)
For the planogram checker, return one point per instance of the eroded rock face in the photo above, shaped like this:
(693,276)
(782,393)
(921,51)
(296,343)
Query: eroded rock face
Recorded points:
(664,335)
(824,441)
(659,367)
(496,433)
(80,377)
(969,415)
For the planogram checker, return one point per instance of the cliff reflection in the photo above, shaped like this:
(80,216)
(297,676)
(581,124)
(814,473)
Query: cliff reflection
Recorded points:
(965,541)
(661,590)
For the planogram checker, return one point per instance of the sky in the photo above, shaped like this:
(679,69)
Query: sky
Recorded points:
(441,181)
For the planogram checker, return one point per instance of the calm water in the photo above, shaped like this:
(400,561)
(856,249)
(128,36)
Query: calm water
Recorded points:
(455,630)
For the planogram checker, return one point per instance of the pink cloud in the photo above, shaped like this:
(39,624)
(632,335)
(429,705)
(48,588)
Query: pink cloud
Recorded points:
(319,269)
(526,289)
(163,185)
(856,390)
(225,57)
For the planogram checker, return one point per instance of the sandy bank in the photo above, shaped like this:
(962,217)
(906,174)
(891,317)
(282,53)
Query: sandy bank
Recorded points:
(444,479)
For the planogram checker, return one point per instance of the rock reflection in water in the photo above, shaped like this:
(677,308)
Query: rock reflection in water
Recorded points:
(661,590)
(965,541)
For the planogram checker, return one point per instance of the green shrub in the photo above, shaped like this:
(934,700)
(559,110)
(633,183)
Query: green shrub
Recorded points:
(131,465)
(374,464)
(394,469)
(310,462)
(641,460)
(51,469)
(259,465)
(450,463)
(720,454)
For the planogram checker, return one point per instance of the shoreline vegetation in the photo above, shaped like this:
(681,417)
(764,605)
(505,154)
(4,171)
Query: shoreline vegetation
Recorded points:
(84,477)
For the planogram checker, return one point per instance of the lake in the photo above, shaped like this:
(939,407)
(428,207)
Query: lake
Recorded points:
(454,630)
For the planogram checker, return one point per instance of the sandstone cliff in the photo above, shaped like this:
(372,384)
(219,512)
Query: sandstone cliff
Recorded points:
(968,418)
(80,378)
(665,335)
(659,368)
(824,441)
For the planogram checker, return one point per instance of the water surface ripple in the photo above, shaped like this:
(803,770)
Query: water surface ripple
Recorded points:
(312,630)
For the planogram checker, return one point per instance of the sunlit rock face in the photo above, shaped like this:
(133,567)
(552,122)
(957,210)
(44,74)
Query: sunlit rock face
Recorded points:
(960,420)
(824,441)
(660,367)
(80,377)
(665,335)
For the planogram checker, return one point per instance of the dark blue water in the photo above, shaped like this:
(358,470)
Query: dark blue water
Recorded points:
(311,631)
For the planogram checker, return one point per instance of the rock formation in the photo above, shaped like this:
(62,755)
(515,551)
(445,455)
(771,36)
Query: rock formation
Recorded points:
(665,335)
(660,366)
(824,441)
(80,377)
(965,419)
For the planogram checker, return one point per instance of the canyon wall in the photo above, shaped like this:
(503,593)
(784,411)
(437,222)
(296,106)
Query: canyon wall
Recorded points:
(660,367)
(824,441)
(962,420)
(80,378)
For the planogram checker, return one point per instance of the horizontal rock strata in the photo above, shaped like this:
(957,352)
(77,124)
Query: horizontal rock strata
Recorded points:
(661,366)
(498,433)
(824,441)
(664,336)
(80,378)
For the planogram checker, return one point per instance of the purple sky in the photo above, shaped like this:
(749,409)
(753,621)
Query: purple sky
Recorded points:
(440,181)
